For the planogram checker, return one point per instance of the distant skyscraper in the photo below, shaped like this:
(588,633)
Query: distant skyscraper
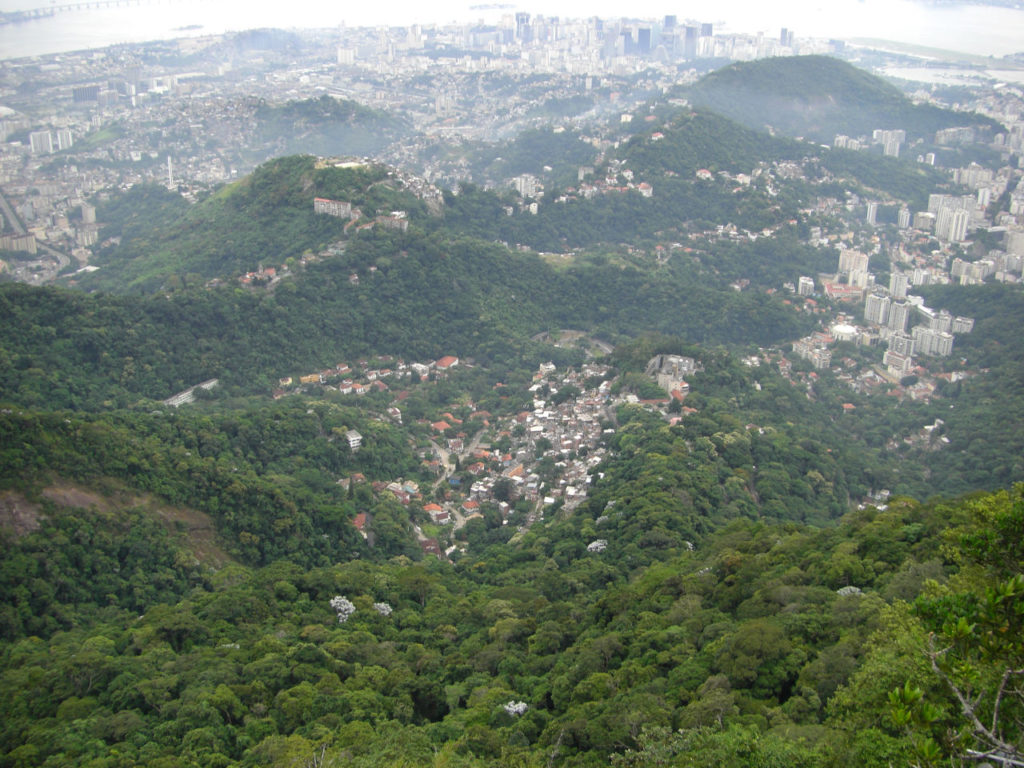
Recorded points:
(670,22)
(786,38)
(628,45)
(643,40)
(904,218)
(690,42)
(872,213)
(707,30)
(523,27)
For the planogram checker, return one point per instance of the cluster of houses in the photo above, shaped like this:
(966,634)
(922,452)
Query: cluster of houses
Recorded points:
(365,377)
(549,450)
(543,455)
(616,181)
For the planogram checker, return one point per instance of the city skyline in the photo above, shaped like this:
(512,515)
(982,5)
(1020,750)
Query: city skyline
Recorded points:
(975,29)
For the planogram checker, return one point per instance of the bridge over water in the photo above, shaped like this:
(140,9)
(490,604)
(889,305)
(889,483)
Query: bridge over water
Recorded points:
(13,17)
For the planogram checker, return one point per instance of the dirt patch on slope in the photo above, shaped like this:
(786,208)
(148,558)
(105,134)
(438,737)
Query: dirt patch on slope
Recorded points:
(18,514)
(193,529)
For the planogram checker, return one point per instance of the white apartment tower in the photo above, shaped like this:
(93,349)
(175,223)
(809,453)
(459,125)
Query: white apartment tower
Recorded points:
(899,282)
(876,309)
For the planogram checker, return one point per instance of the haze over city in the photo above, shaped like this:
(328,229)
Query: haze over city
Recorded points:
(972,28)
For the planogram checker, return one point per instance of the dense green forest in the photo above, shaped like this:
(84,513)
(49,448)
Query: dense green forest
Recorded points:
(770,571)
(769,644)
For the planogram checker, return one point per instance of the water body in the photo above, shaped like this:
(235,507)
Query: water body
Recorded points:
(956,76)
(976,29)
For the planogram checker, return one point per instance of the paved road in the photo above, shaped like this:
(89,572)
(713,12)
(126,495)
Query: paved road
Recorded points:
(12,219)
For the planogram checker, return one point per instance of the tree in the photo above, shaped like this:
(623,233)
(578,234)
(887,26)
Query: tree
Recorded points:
(976,645)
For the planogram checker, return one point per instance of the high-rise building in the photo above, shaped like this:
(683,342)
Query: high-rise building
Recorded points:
(872,213)
(523,32)
(899,316)
(903,218)
(942,321)
(805,286)
(643,40)
(924,221)
(898,364)
(41,142)
(951,223)
(63,138)
(876,308)
(899,283)
(963,324)
(901,343)
(929,342)
(690,41)
(83,93)
(852,261)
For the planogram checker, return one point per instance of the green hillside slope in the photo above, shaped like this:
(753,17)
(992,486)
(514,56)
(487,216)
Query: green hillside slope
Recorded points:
(818,97)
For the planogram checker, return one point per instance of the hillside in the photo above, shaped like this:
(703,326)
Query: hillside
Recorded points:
(326,127)
(154,240)
(586,476)
(818,97)
(772,644)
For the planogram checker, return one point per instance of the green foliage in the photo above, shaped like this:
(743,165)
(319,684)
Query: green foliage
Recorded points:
(738,643)
(531,150)
(818,97)
(80,563)
(262,220)
(695,140)
(328,127)
(266,476)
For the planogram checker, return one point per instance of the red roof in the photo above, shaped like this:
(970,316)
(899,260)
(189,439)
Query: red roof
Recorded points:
(359,521)
(446,362)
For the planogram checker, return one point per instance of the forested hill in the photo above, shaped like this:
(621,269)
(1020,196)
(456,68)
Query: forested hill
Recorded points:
(152,240)
(818,97)
(327,126)
(417,295)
